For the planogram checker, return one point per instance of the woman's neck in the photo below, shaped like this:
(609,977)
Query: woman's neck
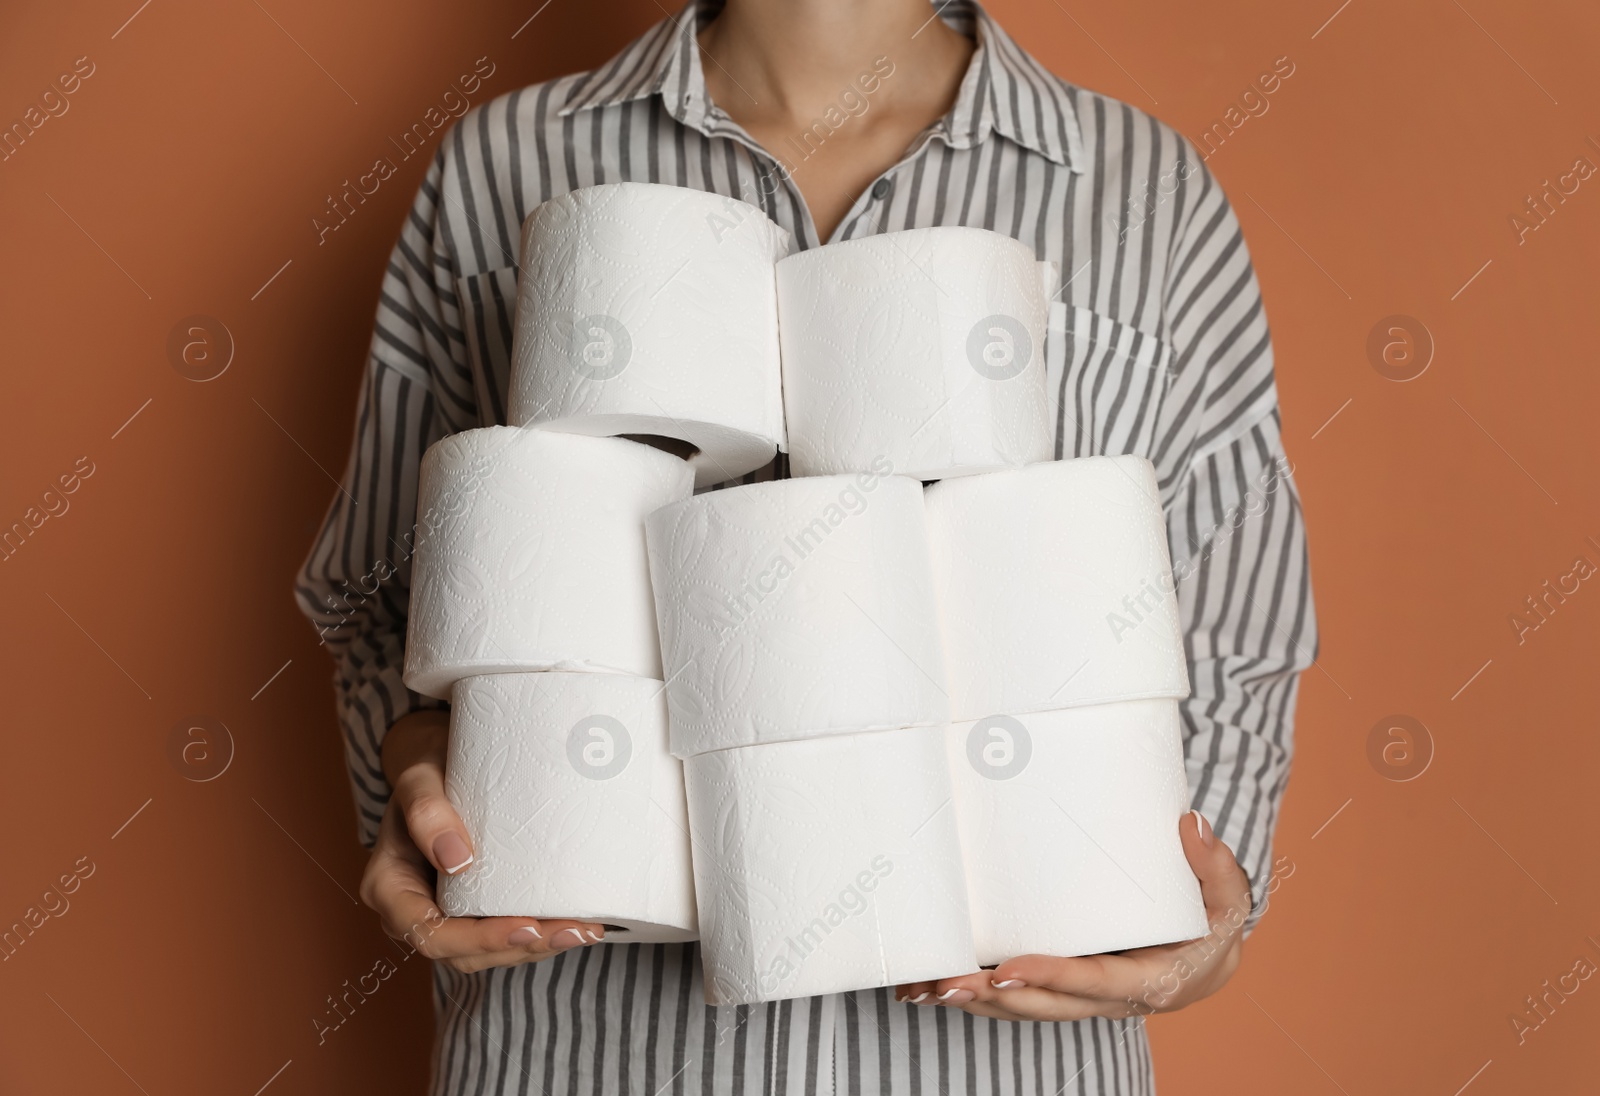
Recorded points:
(791,57)
(796,74)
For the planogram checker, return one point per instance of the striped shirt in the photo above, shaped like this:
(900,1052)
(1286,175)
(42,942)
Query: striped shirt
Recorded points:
(1158,346)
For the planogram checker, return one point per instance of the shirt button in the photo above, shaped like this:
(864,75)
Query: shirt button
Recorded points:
(880,189)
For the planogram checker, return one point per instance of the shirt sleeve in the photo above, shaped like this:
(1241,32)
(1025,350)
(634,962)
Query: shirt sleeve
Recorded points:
(355,584)
(1237,538)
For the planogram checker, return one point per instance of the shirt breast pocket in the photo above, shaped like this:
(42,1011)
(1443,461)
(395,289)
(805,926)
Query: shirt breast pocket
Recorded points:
(488,303)
(1107,382)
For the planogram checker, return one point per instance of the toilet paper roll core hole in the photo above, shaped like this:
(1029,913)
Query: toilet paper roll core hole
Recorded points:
(676,446)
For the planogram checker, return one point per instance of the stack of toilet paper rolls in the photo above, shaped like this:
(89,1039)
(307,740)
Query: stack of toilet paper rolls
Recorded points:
(919,729)
(645,314)
(1057,611)
(968,692)
(807,692)
(531,612)
(1066,668)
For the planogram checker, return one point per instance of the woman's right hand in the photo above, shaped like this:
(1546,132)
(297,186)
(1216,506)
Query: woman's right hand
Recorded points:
(421,835)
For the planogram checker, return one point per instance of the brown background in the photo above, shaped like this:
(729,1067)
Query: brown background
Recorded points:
(187,171)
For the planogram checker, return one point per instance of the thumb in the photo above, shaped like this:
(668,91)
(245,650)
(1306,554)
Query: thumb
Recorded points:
(1224,887)
(433,823)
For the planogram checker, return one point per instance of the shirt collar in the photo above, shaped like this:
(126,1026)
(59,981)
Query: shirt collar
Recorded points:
(1004,90)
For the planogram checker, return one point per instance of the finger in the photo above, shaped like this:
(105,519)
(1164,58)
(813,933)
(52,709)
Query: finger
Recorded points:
(397,887)
(524,940)
(914,993)
(560,935)
(431,821)
(959,990)
(1099,977)
(1003,995)
(396,864)
(1223,884)
(533,943)
(410,915)
(532,939)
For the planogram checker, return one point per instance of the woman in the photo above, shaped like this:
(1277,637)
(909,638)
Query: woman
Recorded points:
(839,119)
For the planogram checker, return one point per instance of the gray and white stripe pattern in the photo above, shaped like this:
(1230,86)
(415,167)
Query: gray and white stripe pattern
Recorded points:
(1158,346)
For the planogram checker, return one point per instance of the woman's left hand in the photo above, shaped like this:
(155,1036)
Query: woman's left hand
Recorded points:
(1128,983)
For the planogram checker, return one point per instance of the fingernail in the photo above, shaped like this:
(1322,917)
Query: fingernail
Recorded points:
(1203,829)
(526,935)
(568,938)
(594,937)
(956,996)
(1009,983)
(451,853)
(919,998)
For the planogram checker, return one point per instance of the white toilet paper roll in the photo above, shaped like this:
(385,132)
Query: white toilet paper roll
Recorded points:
(925,347)
(1055,587)
(827,865)
(1069,830)
(574,806)
(530,555)
(647,309)
(796,608)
